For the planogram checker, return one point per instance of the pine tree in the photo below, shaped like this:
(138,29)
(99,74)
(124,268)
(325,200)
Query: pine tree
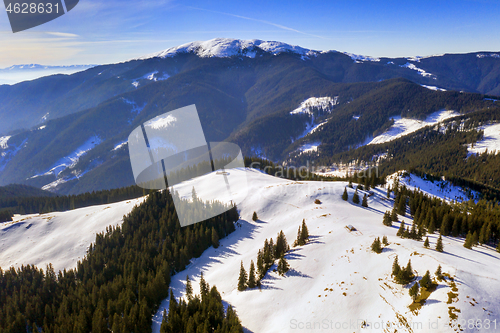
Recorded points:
(304,232)
(298,241)
(475,238)
(439,273)
(242,279)
(204,287)
(425,282)
(387,219)
(385,241)
(261,271)
(432,225)
(215,238)
(468,241)
(414,291)
(413,232)
(394,215)
(281,245)
(254,216)
(402,206)
(251,276)
(364,203)
(498,247)
(344,195)
(355,197)
(445,225)
(283,266)
(439,244)
(409,271)
(388,192)
(401,230)
(189,289)
(395,267)
(350,184)
(376,246)
(426,243)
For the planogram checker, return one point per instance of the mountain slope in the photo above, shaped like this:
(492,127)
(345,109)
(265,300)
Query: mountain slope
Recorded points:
(335,278)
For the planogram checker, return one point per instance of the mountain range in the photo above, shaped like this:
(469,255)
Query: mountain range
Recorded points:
(67,133)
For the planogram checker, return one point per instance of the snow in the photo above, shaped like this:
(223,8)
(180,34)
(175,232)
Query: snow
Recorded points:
(360,58)
(491,99)
(135,84)
(163,122)
(135,107)
(60,238)
(405,126)
(228,47)
(355,117)
(490,141)
(335,279)
(42,127)
(120,145)
(319,102)
(4,142)
(415,68)
(72,159)
(441,189)
(310,147)
(433,88)
(488,55)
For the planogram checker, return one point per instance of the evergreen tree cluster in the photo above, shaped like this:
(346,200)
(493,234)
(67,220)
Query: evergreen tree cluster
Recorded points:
(46,204)
(402,275)
(199,313)
(119,284)
(302,235)
(265,259)
(5,216)
(478,222)
(387,221)
(377,245)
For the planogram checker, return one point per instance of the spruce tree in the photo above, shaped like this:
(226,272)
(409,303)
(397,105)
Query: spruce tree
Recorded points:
(475,238)
(242,279)
(409,272)
(204,287)
(402,206)
(298,241)
(394,215)
(414,291)
(283,266)
(305,231)
(281,245)
(426,281)
(385,241)
(395,267)
(426,243)
(364,203)
(376,246)
(468,241)
(439,244)
(388,192)
(439,273)
(189,289)
(251,276)
(215,238)
(261,271)
(355,197)
(401,230)
(413,232)
(344,195)
(387,219)
(432,225)
(498,247)
(254,216)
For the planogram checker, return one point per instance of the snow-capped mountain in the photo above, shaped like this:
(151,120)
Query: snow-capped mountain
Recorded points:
(228,47)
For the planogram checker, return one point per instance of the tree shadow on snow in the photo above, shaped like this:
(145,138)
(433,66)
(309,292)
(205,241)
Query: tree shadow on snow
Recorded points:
(294,272)
(314,240)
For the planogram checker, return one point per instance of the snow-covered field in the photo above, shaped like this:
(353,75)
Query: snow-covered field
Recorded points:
(336,282)
(490,142)
(405,126)
(60,238)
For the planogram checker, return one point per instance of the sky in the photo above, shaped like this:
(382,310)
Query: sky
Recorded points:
(110,31)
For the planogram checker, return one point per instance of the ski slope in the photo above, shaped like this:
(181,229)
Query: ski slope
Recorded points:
(405,126)
(335,281)
(60,238)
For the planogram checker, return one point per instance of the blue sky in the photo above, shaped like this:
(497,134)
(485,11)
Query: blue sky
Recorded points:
(98,31)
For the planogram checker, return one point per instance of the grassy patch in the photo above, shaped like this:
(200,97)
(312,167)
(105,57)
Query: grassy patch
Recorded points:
(452,312)
(422,297)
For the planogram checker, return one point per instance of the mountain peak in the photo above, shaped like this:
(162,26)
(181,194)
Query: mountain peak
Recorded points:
(228,47)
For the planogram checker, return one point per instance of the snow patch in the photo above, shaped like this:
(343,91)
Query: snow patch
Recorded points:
(433,88)
(415,68)
(361,58)
(4,142)
(162,123)
(488,55)
(120,145)
(310,147)
(442,188)
(405,126)
(490,141)
(315,102)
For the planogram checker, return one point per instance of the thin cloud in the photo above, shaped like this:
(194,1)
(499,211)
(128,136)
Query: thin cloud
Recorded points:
(258,20)
(62,34)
